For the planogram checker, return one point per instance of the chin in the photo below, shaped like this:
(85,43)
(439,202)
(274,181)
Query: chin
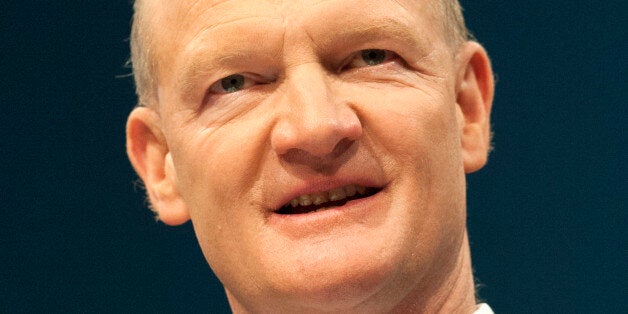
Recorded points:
(336,289)
(337,274)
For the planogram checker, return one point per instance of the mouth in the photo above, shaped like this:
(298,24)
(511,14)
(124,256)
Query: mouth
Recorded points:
(315,202)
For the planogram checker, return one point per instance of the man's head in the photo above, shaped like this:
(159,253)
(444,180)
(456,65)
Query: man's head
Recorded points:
(319,147)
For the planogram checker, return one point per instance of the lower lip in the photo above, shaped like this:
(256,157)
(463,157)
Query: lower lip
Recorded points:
(318,222)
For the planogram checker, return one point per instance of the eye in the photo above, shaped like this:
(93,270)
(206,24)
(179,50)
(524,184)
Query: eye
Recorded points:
(370,57)
(231,84)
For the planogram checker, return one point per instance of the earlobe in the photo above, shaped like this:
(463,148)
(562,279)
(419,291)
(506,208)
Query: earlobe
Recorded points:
(474,94)
(148,152)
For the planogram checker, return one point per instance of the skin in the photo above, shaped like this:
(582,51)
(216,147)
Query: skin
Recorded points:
(313,115)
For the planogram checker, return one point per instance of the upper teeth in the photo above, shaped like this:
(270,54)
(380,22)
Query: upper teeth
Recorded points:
(327,196)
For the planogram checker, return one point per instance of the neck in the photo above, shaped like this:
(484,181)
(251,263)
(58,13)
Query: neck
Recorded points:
(454,293)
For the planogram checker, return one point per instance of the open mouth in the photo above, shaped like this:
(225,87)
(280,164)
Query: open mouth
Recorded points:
(315,202)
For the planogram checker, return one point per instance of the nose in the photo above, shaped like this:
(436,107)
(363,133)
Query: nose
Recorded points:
(316,121)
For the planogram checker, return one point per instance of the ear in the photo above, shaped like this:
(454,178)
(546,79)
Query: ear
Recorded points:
(148,151)
(474,95)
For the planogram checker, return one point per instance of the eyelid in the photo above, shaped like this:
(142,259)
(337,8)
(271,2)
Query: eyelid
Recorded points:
(356,60)
(250,80)
(216,87)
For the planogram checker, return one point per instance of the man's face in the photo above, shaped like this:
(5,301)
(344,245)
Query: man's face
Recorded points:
(268,106)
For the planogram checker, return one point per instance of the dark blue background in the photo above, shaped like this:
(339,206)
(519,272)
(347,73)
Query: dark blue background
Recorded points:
(547,216)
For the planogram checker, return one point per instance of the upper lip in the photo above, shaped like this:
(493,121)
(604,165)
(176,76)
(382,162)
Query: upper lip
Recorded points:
(321,185)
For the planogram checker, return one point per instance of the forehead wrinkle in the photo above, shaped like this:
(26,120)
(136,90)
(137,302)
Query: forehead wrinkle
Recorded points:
(324,1)
(201,38)
(379,29)
(403,17)
(373,31)
(206,53)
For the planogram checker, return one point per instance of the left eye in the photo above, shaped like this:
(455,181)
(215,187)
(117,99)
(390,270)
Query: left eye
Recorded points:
(231,84)
(370,57)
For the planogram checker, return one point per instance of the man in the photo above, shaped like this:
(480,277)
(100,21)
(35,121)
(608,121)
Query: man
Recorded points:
(319,147)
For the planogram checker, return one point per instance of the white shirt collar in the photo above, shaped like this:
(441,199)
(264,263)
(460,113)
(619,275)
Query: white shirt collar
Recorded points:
(483,308)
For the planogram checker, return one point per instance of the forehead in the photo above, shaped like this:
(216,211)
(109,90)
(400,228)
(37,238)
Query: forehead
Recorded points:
(176,18)
(188,8)
(178,27)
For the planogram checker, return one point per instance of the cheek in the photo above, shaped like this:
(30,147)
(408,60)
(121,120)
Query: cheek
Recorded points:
(217,160)
(418,135)
(413,126)
(216,172)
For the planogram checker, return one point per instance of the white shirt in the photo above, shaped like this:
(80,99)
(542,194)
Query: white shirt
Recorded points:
(483,308)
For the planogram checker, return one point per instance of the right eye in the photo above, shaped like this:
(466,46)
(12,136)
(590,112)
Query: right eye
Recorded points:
(231,84)
(371,57)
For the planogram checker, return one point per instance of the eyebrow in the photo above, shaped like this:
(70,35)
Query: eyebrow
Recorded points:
(382,29)
(194,71)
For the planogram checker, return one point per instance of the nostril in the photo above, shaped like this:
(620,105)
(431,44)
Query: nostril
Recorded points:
(342,147)
(351,127)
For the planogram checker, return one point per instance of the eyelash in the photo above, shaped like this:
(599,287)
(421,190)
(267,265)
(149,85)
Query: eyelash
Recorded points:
(356,61)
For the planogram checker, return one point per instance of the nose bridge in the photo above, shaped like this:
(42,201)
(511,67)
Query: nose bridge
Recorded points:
(309,94)
(316,120)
